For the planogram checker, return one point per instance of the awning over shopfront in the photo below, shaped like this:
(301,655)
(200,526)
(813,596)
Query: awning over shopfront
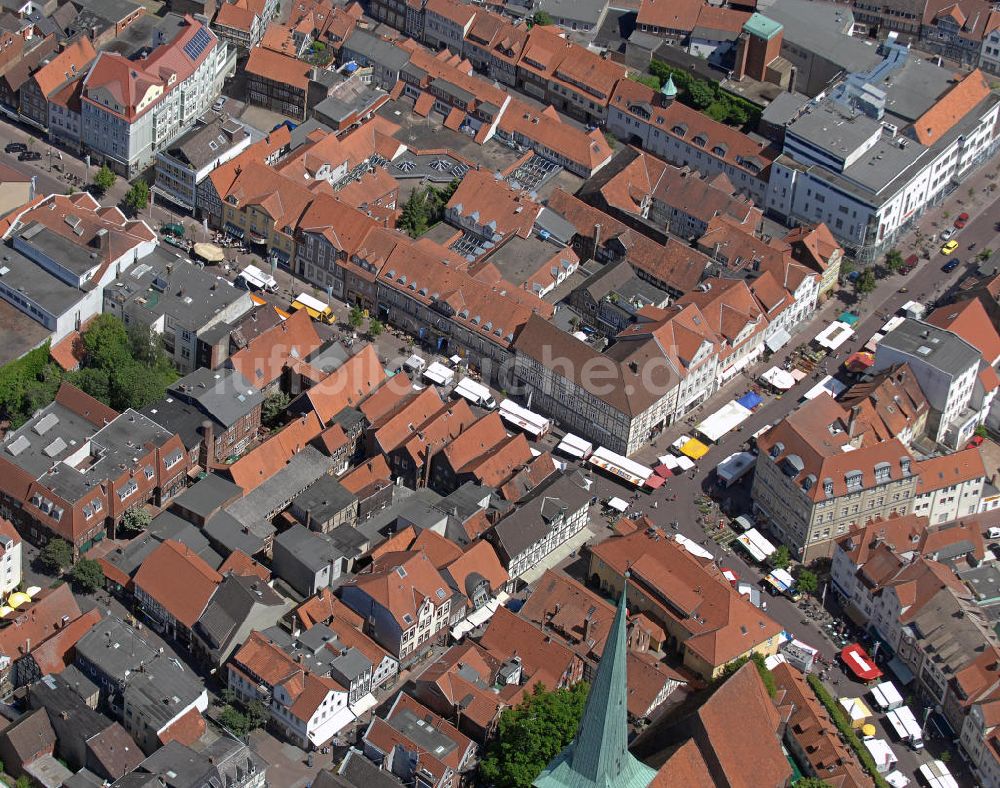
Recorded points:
(778,340)
(234,230)
(859,663)
(620,466)
(754,542)
(778,378)
(900,671)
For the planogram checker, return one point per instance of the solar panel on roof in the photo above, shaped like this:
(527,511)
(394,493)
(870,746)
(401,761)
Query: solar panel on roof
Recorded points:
(197,44)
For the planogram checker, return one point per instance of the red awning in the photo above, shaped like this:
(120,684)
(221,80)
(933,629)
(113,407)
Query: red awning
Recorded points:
(860,361)
(860,664)
(654,482)
(664,471)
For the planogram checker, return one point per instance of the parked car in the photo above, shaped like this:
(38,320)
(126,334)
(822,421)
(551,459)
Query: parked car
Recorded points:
(220,102)
(29,155)
(950,266)
(909,264)
(949,247)
(15,147)
(947,233)
(961,220)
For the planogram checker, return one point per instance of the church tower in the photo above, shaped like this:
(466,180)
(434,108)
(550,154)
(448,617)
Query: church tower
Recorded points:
(598,757)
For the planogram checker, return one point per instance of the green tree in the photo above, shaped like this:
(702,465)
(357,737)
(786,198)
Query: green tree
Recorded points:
(375,328)
(273,408)
(847,268)
(41,391)
(135,520)
(866,282)
(807,582)
(811,782)
(93,381)
(88,575)
(738,115)
(356,317)
(985,255)
(700,93)
(542,18)
(765,674)
(136,386)
(146,346)
(242,718)
(106,344)
(532,734)
(235,720)
(56,556)
(22,782)
(414,217)
(893,260)
(137,198)
(15,379)
(104,178)
(780,558)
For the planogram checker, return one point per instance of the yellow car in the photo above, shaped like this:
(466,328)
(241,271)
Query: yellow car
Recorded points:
(949,247)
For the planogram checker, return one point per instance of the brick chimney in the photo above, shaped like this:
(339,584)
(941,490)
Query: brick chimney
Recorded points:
(206,452)
(852,422)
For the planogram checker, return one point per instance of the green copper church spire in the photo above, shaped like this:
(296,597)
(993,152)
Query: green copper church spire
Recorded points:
(598,757)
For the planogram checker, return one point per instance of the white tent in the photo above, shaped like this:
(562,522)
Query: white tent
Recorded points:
(534,424)
(669,460)
(829,384)
(882,753)
(415,363)
(755,544)
(685,463)
(897,779)
(440,374)
(856,711)
(886,696)
(937,775)
(735,467)
(834,335)
(727,418)
(693,547)
(618,504)
(575,446)
(778,378)
(620,466)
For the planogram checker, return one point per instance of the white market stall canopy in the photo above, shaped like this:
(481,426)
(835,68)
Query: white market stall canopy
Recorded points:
(882,753)
(727,418)
(439,373)
(829,385)
(778,378)
(753,542)
(892,324)
(575,446)
(886,696)
(415,363)
(532,423)
(618,504)
(474,392)
(937,775)
(834,335)
(620,466)
(693,547)
(735,466)
(669,460)
(685,463)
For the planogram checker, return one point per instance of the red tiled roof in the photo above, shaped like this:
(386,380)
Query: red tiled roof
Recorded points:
(366,474)
(347,385)
(262,462)
(239,563)
(264,359)
(938,473)
(681,15)
(323,607)
(277,67)
(401,593)
(179,580)
(951,108)
(542,658)
(479,559)
(38,622)
(970,321)
(56,653)
(186,729)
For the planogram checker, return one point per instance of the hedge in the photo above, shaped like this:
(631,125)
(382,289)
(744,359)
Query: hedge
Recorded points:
(707,96)
(837,715)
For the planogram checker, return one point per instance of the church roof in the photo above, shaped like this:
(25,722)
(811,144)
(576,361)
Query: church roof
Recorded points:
(598,757)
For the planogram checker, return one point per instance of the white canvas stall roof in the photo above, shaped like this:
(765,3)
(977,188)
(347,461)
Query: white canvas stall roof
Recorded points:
(725,419)
(755,543)
(415,363)
(575,446)
(784,577)
(693,547)
(620,466)
(735,465)
(897,779)
(439,373)
(618,504)
(834,335)
(892,324)
(881,752)
(829,384)
(855,709)
(669,460)
(937,775)
(887,694)
(778,378)
(472,390)
(872,343)
(530,422)
(685,463)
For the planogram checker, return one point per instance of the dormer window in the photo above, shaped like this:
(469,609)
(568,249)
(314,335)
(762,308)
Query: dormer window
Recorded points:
(904,465)
(854,480)
(828,487)
(882,473)
(700,140)
(720,151)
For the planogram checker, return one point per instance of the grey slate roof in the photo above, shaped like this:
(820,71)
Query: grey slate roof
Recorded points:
(357,771)
(207,495)
(375,50)
(531,521)
(274,494)
(312,549)
(223,394)
(935,346)
(167,525)
(229,534)
(230,606)
(324,498)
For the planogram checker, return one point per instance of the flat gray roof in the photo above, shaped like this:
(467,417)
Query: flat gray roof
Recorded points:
(223,394)
(310,548)
(822,28)
(162,283)
(935,346)
(208,141)
(324,498)
(207,494)
(589,11)
(35,283)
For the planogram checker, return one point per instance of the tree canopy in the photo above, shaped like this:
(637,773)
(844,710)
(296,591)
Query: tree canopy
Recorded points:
(56,555)
(424,208)
(137,198)
(780,558)
(104,178)
(706,96)
(532,734)
(88,575)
